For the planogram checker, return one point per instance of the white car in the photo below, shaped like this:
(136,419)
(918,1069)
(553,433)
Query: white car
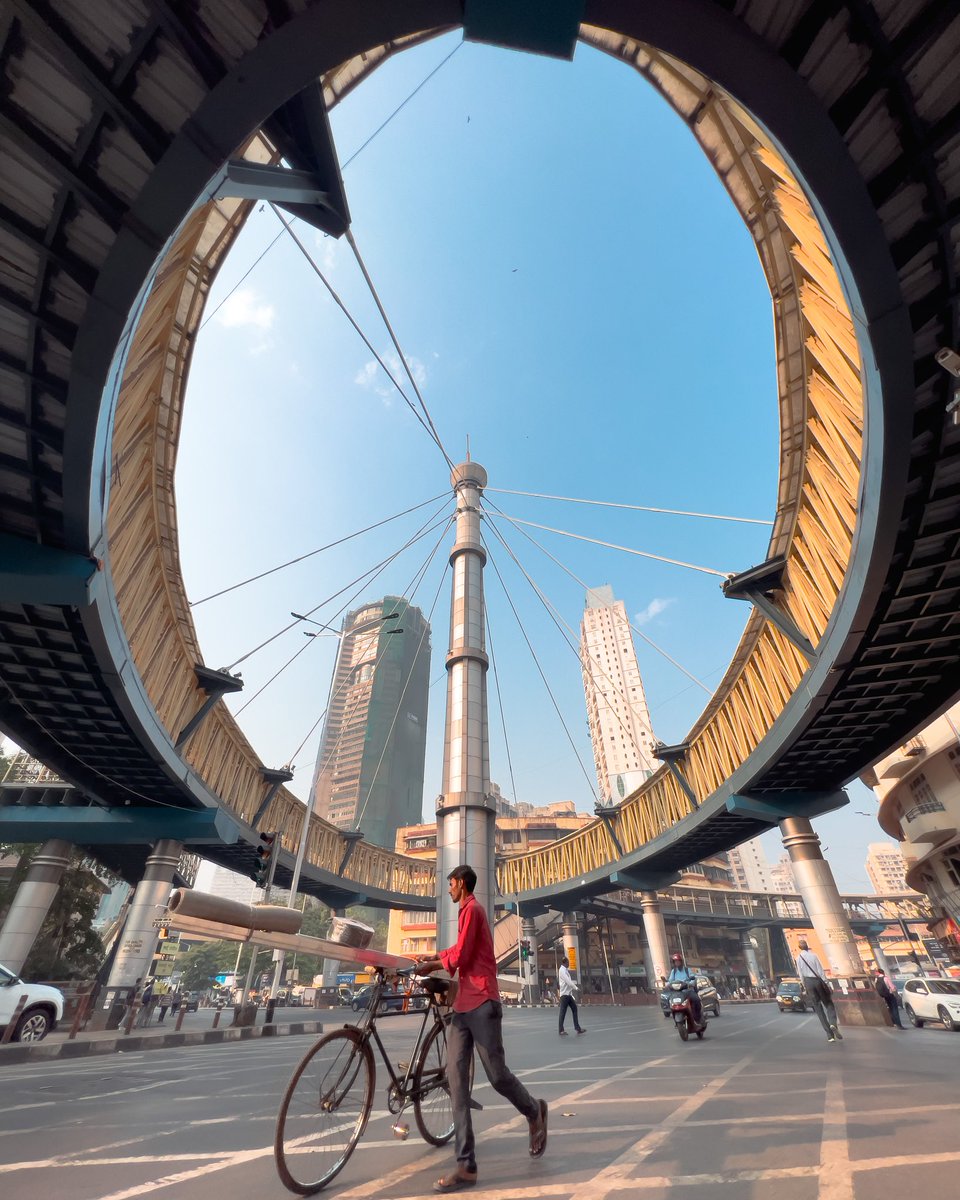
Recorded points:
(40,1014)
(932,1000)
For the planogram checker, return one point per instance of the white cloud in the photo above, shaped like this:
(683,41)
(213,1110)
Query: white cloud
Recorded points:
(243,310)
(653,609)
(371,376)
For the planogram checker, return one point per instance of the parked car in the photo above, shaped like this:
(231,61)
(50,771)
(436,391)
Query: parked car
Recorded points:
(191,1001)
(709,997)
(40,1014)
(391,1001)
(791,996)
(933,1000)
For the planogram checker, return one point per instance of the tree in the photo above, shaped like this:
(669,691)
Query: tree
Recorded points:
(66,947)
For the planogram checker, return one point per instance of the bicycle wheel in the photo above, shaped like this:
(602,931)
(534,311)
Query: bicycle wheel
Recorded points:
(432,1106)
(324,1111)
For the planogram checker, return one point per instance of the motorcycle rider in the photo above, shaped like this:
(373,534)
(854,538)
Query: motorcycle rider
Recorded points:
(680,973)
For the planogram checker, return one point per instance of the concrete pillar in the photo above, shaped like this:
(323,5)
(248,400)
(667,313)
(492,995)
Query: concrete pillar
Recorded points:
(139,938)
(656,932)
(466,810)
(32,903)
(820,897)
(750,957)
(531,968)
(571,943)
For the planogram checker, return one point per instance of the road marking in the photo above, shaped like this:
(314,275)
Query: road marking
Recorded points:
(836,1177)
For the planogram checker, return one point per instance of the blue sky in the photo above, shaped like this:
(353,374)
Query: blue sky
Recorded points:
(576,293)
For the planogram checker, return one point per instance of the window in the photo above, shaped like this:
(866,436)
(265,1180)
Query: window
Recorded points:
(924,800)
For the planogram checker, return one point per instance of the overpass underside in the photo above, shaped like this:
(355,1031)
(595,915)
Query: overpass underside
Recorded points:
(835,129)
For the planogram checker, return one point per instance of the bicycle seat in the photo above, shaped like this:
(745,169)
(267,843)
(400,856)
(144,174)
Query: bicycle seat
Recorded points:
(436,987)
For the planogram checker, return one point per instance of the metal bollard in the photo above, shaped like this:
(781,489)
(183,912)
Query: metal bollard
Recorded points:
(12,1024)
(271,1009)
(182,1012)
(216,1016)
(78,1020)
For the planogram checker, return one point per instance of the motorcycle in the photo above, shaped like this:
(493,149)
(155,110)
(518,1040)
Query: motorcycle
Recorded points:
(681,1009)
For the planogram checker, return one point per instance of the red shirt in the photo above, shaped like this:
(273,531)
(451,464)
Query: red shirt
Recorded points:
(472,958)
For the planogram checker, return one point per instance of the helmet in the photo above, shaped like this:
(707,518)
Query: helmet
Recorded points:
(677,958)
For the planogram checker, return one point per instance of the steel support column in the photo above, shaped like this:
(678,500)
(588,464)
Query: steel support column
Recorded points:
(140,932)
(821,897)
(571,943)
(32,903)
(750,957)
(656,932)
(466,811)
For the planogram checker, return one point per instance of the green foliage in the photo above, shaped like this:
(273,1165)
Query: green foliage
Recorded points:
(67,947)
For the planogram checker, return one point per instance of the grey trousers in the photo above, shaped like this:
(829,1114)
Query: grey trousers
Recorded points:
(480,1028)
(824,1009)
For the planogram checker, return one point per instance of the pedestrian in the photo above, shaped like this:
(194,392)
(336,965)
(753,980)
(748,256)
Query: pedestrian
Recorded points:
(477,1021)
(814,980)
(163,1004)
(146,1003)
(175,1002)
(889,995)
(567,989)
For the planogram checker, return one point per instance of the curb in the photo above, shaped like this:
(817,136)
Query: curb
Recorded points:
(132,1043)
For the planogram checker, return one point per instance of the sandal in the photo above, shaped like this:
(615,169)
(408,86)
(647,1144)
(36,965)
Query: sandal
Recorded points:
(538,1132)
(456,1182)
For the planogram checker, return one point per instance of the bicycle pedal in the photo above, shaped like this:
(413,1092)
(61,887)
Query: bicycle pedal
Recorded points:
(402,1066)
(476,1105)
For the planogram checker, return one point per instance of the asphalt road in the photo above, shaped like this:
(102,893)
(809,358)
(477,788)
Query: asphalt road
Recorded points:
(762,1107)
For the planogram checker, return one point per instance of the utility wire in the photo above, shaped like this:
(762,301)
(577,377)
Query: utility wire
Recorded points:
(543,677)
(372,571)
(576,578)
(310,553)
(674,512)
(675,562)
(393,337)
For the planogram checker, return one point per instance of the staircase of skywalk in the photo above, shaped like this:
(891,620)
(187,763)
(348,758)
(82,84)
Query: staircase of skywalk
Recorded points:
(852,639)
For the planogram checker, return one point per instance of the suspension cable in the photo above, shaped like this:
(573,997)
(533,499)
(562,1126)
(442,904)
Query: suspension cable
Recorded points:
(553,699)
(576,578)
(393,337)
(310,553)
(673,512)
(503,719)
(372,571)
(675,562)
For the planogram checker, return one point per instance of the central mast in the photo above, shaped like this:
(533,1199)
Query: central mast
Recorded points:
(466,811)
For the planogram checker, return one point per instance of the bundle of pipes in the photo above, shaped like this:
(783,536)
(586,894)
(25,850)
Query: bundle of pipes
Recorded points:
(267,918)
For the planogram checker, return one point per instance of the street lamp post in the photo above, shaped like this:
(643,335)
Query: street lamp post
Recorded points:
(310,807)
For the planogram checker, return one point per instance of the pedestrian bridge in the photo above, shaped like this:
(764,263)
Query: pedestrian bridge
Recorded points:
(141,137)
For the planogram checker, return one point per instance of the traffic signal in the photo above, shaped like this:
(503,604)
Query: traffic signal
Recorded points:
(524,950)
(262,873)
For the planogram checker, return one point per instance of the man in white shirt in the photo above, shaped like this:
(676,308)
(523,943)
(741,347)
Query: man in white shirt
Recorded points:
(814,980)
(567,988)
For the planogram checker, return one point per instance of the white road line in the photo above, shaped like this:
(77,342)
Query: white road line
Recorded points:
(836,1177)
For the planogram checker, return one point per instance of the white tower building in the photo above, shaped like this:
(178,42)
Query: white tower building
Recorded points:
(617,710)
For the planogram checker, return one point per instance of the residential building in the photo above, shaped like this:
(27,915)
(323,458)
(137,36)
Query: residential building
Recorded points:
(369,772)
(918,786)
(617,713)
(886,869)
(751,871)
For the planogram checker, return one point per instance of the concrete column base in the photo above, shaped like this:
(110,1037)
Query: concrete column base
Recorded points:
(857,1002)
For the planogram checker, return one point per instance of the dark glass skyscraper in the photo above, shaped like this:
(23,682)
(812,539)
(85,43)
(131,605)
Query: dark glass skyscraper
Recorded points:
(369,773)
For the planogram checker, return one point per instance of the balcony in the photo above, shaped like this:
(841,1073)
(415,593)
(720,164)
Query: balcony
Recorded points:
(928,821)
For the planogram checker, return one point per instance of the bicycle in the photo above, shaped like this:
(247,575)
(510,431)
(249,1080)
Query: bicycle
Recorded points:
(327,1104)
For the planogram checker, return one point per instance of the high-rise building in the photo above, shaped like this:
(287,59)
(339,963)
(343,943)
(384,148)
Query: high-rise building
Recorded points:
(617,712)
(751,871)
(886,869)
(369,773)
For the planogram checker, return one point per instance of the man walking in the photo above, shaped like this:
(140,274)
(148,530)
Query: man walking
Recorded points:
(567,989)
(814,980)
(888,994)
(477,1021)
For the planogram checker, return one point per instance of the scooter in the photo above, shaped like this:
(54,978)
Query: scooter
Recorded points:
(681,1009)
